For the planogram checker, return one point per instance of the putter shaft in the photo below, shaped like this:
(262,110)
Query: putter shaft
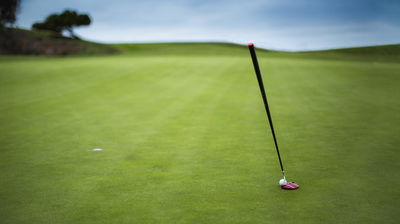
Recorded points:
(264,97)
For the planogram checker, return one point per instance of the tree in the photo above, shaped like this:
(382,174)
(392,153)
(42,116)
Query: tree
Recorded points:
(65,21)
(8,11)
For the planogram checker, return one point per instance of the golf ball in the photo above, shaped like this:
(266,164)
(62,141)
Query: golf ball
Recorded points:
(282,182)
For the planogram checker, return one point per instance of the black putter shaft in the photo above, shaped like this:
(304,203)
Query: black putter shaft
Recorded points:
(264,97)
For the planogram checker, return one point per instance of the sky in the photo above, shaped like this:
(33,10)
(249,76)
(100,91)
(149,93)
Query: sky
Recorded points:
(273,24)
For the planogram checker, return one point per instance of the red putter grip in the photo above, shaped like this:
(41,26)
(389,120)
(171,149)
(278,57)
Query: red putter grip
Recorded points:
(251,45)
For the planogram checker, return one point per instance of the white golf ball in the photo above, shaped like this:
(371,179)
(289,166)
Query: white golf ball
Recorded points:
(282,182)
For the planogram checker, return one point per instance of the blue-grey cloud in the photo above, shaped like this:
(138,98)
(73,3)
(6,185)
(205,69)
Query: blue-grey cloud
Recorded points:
(276,24)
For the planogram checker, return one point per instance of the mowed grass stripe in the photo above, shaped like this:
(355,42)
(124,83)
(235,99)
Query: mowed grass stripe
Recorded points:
(162,112)
(166,176)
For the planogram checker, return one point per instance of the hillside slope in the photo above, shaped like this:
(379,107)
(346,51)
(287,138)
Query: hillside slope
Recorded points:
(26,42)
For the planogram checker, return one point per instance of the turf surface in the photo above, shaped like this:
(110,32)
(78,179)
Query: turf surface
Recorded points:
(186,140)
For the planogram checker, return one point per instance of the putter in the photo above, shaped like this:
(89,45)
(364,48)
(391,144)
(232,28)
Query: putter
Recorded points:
(284,184)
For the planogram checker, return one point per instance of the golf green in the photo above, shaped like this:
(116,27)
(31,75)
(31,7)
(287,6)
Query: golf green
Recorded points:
(185,139)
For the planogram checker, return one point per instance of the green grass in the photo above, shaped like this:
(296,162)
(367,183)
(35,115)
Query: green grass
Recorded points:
(186,140)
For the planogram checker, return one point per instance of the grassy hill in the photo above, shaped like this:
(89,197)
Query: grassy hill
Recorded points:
(388,53)
(382,50)
(224,48)
(193,48)
(185,138)
(370,53)
(27,42)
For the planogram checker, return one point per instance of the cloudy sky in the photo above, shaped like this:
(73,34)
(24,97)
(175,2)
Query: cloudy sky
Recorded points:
(274,24)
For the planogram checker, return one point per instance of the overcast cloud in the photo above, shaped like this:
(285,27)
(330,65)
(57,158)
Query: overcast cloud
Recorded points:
(274,24)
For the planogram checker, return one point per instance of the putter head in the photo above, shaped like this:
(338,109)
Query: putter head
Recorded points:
(290,186)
